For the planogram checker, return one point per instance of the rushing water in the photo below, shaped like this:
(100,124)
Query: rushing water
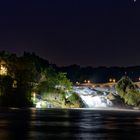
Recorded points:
(68,124)
(91,98)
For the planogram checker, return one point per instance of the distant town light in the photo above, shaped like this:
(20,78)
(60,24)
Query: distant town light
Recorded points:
(77,83)
(110,80)
(88,81)
(114,80)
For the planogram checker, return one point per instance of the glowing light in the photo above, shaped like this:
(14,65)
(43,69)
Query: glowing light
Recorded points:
(34,97)
(3,70)
(15,84)
(114,80)
(88,81)
(77,83)
(43,104)
(110,80)
(39,105)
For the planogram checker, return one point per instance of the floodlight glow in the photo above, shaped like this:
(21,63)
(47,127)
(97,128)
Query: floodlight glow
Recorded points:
(3,70)
(38,105)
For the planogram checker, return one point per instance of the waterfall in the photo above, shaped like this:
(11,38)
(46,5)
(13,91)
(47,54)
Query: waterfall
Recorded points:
(91,98)
(96,101)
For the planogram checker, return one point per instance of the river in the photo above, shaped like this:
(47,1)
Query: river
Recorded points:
(32,124)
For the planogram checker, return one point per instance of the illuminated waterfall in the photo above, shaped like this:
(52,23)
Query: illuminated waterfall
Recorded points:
(96,101)
(92,99)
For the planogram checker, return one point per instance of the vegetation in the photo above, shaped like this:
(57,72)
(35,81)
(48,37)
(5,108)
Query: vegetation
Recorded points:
(22,76)
(74,101)
(55,88)
(128,91)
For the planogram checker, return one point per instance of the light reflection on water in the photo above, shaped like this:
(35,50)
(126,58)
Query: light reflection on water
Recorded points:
(68,124)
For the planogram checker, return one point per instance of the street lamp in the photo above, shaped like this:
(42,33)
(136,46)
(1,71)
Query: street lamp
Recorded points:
(114,80)
(88,81)
(110,80)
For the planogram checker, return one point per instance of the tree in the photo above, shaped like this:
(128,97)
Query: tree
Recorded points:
(128,91)
(51,80)
(21,76)
(63,81)
(18,82)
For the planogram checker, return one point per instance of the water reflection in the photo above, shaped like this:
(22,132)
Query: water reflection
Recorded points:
(68,124)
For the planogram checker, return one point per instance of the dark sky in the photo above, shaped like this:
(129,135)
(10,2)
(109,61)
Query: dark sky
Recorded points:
(85,32)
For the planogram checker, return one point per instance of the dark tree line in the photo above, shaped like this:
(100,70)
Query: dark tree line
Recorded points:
(100,74)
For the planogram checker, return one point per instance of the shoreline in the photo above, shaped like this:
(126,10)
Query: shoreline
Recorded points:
(80,109)
(75,109)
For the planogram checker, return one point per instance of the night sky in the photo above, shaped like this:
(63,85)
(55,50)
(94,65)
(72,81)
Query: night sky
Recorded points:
(84,32)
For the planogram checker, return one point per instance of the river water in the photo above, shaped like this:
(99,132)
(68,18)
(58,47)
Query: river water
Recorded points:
(31,124)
